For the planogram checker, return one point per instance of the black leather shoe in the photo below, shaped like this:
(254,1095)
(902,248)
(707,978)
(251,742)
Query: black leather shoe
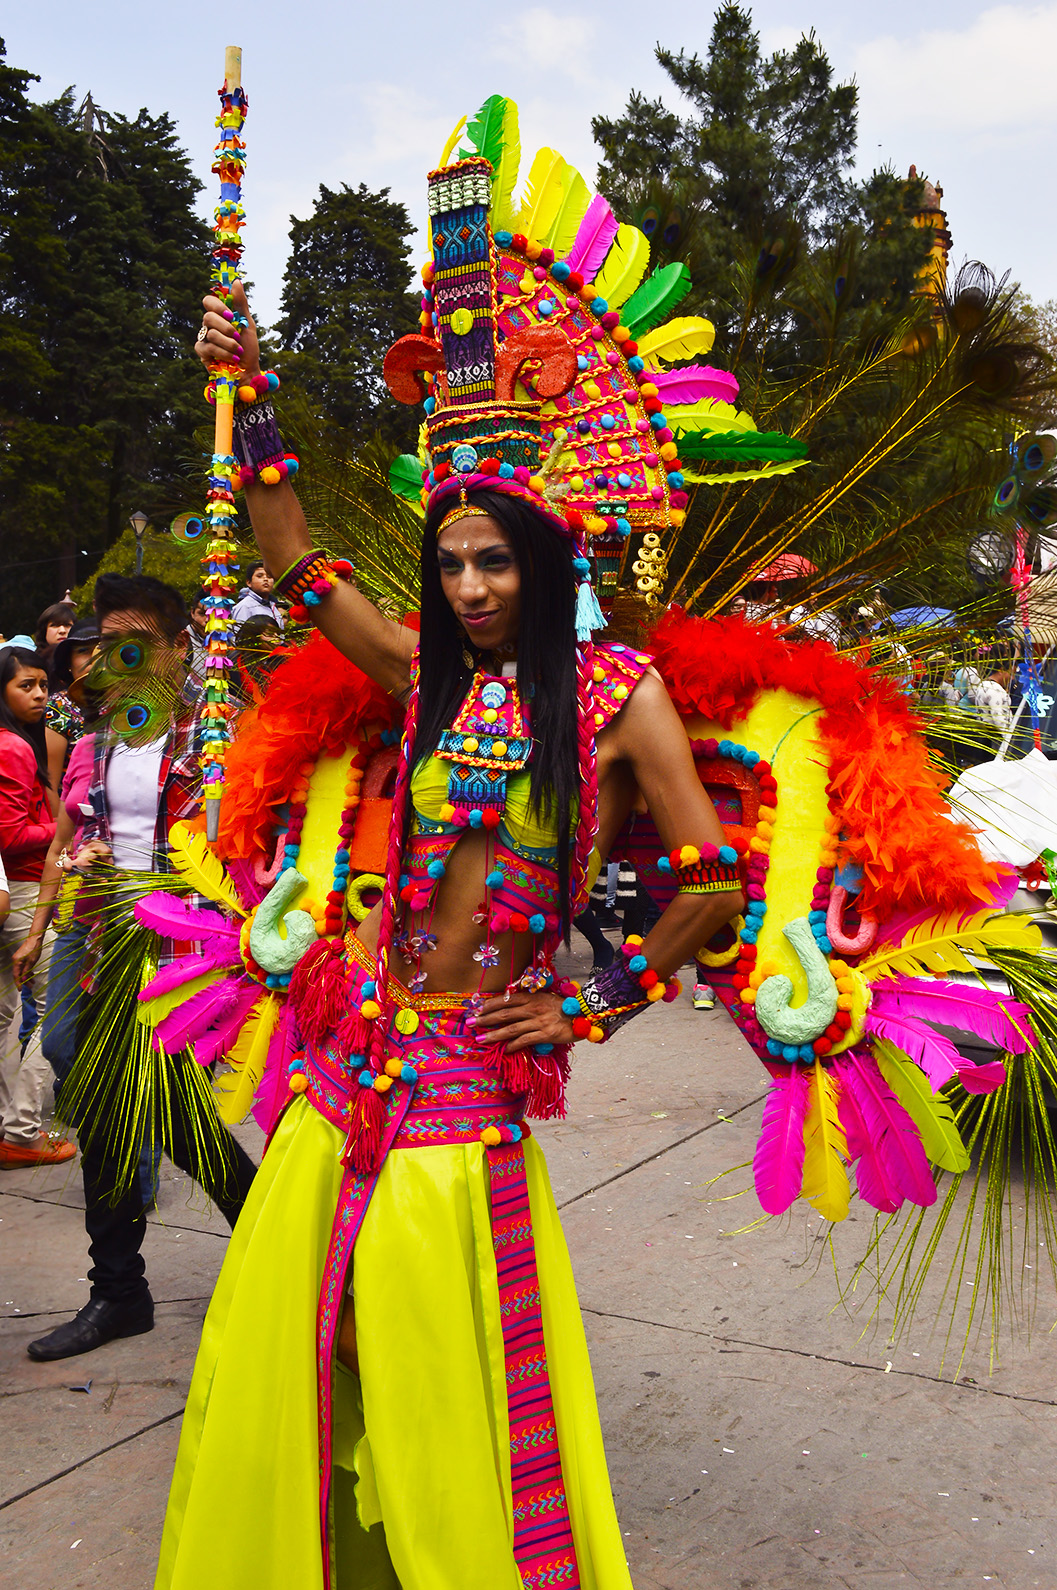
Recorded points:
(98,1322)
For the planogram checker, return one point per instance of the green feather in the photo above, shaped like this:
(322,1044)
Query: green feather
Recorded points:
(739,444)
(623,267)
(656,298)
(929,1111)
(505,170)
(485,132)
(405,477)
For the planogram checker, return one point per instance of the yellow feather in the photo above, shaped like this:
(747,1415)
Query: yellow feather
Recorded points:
(504,174)
(235,1089)
(542,196)
(709,415)
(151,1011)
(452,141)
(930,1112)
(784,468)
(198,866)
(825,1183)
(684,338)
(942,944)
(576,196)
(623,267)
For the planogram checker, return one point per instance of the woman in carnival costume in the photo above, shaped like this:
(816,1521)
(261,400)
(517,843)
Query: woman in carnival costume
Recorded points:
(400,1262)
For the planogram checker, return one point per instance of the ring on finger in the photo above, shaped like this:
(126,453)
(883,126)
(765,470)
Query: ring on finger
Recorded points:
(203,335)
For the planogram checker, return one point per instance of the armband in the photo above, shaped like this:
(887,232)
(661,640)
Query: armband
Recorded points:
(712,869)
(309,580)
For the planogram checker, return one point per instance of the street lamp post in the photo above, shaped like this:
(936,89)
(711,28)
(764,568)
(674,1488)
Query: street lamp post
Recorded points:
(139,523)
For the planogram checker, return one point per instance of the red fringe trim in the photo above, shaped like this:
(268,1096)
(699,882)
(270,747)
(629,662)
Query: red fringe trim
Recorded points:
(318,990)
(888,791)
(540,1077)
(367,1117)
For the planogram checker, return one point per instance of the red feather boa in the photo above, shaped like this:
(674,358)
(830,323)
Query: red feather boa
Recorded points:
(887,789)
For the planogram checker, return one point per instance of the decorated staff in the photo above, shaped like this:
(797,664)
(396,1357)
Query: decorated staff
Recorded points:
(220,559)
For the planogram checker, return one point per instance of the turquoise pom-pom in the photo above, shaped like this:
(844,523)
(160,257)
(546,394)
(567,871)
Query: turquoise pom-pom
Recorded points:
(543,1048)
(560,270)
(816,916)
(637,964)
(582,565)
(310,599)
(599,307)
(825,946)
(774,1047)
(664,865)
(636,364)
(728,855)
(571,1007)
(748,935)
(506,471)
(790,1052)
(493,879)
(369,989)
(273,380)
(436,869)
(408,1074)
(504,239)
(726,747)
(365,1079)
(297,1064)
(429,405)
(476,818)
(806,1052)
(537,922)
(515,1132)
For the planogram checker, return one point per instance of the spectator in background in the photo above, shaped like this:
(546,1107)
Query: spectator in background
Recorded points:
(991,696)
(64,713)
(26,831)
(53,626)
(255,598)
(196,632)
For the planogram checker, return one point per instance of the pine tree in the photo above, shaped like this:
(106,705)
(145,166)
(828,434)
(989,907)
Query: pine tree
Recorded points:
(102,265)
(346,298)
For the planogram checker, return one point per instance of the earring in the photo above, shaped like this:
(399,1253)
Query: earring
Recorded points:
(467,656)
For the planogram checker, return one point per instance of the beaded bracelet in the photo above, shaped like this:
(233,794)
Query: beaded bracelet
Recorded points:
(609,998)
(300,574)
(258,446)
(317,581)
(710,869)
(258,386)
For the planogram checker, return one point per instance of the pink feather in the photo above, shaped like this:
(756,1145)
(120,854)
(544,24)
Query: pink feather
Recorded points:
(197,1014)
(969,1007)
(982,1079)
(778,1164)
(189,967)
(894,1137)
(936,1055)
(593,239)
(243,875)
(273,1088)
(870,1179)
(695,382)
(218,1039)
(174,918)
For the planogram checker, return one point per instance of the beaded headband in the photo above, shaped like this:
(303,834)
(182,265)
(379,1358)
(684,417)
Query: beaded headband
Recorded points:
(464,510)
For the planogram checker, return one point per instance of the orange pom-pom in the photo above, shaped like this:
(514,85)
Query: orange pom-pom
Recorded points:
(270,475)
(657,992)
(382,1084)
(491,1136)
(247,394)
(298,1082)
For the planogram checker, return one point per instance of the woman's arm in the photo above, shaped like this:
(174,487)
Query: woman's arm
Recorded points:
(19,833)
(382,648)
(27,954)
(56,744)
(649,737)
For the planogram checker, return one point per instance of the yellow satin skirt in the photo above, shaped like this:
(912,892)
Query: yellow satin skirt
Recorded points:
(421,1473)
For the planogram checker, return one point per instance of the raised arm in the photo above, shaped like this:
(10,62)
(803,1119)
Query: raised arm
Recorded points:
(382,648)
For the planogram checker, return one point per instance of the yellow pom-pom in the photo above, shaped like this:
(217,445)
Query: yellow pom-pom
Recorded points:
(382,1084)
(655,993)
(843,1001)
(298,1082)
(761,847)
(767,814)
(536,484)
(689,855)
(247,394)
(270,475)
(647,390)
(534,249)
(765,830)
(668,450)
(491,1136)
(595,1034)
(447,812)
(633,938)
(588,293)
(621,334)
(370,1010)
(748,996)
(393,1068)
(678,517)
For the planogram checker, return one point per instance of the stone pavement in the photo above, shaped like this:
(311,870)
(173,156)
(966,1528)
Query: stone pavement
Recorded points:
(760,1435)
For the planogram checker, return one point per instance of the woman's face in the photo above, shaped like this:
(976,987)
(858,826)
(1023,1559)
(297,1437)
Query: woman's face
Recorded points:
(481,580)
(57,630)
(26,695)
(81,660)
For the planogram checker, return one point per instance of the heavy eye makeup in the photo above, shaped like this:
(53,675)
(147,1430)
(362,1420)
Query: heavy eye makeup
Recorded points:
(497,560)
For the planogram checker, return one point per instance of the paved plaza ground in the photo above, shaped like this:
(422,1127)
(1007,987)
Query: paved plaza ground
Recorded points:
(759,1435)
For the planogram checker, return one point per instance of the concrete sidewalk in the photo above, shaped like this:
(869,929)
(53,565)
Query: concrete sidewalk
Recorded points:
(757,1437)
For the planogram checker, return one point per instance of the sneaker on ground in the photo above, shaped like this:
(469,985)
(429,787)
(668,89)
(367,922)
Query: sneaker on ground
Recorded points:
(704,997)
(47,1148)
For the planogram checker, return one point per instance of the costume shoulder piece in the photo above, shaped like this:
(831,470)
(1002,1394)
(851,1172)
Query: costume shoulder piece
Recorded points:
(617,670)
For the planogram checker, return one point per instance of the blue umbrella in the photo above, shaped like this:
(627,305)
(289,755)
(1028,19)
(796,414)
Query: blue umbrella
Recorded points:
(915,618)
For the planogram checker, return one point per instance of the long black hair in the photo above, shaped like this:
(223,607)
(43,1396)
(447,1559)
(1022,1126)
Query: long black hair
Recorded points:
(12,658)
(546,659)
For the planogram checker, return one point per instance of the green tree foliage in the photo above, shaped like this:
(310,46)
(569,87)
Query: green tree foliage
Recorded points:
(102,263)
(761,160)
(346,298)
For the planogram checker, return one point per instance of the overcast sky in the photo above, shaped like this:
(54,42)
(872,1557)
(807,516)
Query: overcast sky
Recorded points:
(368,93)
